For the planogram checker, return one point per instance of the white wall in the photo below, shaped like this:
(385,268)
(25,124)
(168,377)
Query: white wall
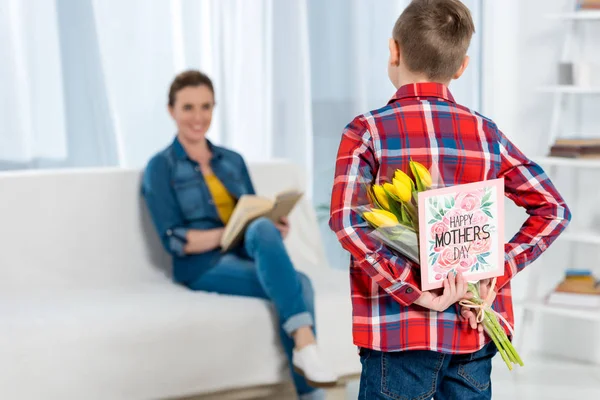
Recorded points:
(522,48)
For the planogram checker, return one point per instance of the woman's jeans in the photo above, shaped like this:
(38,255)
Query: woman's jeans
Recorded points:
(422,375)
(263,269)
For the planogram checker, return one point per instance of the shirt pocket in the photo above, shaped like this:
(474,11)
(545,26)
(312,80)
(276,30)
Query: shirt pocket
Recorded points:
(193,197)
(233,182)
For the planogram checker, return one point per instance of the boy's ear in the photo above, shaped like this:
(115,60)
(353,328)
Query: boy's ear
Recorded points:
(394,53)
(171,111)
(462,68)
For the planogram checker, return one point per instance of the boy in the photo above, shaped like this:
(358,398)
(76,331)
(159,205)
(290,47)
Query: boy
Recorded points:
(414,344)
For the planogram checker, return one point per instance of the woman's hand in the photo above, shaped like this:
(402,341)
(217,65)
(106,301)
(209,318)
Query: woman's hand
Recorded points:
(283,226)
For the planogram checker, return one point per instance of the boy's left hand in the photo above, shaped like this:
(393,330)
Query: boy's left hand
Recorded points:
(485,290)
(283,226)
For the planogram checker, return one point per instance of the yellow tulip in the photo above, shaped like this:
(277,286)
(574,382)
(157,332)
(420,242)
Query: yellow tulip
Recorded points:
(423,173)
(405,179)
(381,197)
(390,189)
(403,189)
(381,218)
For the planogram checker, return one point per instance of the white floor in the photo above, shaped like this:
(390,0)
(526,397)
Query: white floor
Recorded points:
(542,378)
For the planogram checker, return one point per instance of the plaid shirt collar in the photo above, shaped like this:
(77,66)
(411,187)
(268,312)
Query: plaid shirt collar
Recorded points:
(428,89)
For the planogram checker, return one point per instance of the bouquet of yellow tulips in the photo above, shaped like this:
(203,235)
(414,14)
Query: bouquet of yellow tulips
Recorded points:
(394,216)
(394,210)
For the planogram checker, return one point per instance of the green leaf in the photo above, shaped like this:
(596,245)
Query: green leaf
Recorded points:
(405,216)
(447,202)
(432,221)
(442,212)
(435,214)
(487,196)
(435,258)
(395,208)
(486,212)
(452,201)
(485,254)
(489,203)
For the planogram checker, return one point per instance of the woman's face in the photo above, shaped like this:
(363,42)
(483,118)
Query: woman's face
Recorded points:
(192,112)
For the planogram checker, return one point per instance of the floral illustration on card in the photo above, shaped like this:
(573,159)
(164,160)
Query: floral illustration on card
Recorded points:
(461,229)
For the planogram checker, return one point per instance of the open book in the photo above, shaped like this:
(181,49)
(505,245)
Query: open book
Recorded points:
(250,207)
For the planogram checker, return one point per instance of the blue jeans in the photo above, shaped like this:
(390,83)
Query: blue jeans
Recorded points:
(412,375)
(263,269)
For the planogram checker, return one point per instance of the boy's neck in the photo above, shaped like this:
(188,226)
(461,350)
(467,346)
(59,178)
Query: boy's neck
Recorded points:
(409,78)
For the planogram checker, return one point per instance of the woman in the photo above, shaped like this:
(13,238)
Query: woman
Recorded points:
(191,189)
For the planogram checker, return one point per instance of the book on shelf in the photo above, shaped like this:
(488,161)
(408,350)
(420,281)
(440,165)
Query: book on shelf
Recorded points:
(577,142)
(589,4)
(576,148)
(578,289)
(251,207)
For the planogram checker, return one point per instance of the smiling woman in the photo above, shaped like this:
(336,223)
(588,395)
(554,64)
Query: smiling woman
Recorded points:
(193,110)
(191,189)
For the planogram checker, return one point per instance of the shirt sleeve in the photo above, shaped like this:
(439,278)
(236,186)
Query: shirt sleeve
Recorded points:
(528,186)
(163,206)
(355,168)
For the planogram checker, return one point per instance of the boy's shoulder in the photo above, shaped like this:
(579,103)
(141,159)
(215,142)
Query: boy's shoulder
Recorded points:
(394,110)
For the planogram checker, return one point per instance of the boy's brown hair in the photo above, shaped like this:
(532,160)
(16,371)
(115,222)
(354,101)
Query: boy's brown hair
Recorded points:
(188,78)
(434,36)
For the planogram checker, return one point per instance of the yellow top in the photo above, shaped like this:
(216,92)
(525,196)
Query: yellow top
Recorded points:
(224,201)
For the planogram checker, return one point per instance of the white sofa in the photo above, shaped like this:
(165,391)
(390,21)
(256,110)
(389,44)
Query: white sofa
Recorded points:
(88,309)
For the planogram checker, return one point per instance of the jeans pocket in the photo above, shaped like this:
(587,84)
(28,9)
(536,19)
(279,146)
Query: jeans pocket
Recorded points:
(410,376)
(477,371)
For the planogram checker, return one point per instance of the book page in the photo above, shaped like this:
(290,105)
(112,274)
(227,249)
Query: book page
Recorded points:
(248,208)
(284,204)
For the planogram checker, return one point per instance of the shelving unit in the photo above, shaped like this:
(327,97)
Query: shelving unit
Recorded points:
(542,307)
(570,89)
(568,162)
(534,304)
(588,237)
(577,15)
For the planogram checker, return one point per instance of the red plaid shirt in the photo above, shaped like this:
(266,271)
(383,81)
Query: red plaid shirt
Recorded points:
(423,122)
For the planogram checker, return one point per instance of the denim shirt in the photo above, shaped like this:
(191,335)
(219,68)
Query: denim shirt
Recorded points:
(178,200)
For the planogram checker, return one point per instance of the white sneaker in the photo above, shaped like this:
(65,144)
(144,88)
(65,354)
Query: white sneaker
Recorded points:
(308,363)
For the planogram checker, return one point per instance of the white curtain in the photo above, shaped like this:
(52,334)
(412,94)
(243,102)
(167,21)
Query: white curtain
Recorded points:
(87,80)
(136,44)
(256,52)
(32,114)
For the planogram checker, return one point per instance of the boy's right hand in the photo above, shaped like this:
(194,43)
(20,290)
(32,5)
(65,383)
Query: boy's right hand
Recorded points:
(455,289)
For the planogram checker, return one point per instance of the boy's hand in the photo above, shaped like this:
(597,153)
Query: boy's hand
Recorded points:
(283,226)
(485,290)
(455,289)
